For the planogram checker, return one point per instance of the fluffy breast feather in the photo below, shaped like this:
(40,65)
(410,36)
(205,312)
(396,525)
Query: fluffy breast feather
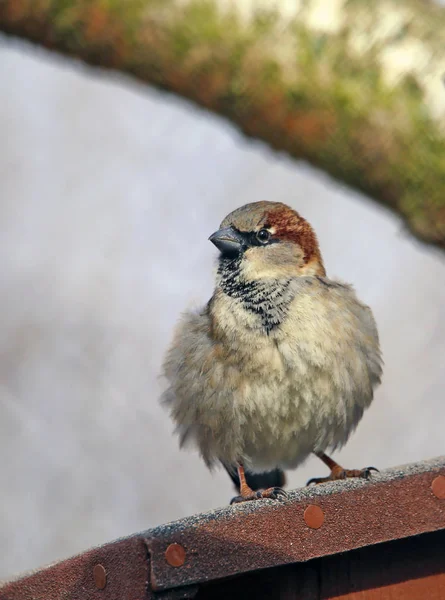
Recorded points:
(238,393)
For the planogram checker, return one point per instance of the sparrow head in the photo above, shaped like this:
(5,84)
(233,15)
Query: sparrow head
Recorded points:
(269,240)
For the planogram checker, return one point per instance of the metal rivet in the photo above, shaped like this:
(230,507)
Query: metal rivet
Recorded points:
(175,555)
(314,516)
(438,487)
(100,577)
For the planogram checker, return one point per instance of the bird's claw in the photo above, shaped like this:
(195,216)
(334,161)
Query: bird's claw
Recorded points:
(341,473)
(366,472)
(317,480)
(273,493)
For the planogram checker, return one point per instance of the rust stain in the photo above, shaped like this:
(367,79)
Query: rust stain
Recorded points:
(314,516)
(175,555)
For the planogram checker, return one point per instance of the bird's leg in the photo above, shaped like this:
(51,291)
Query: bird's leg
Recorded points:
(246,492)
(338,472)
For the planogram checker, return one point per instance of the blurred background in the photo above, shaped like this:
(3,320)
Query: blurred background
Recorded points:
(109,190)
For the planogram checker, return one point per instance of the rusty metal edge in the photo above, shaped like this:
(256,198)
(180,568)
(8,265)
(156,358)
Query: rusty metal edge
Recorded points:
(397,503)
(118,569)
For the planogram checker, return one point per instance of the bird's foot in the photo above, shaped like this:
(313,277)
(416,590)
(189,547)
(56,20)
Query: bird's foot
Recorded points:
(247,494)
(338,472)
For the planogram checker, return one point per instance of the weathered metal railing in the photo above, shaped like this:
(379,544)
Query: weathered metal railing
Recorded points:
(198,554)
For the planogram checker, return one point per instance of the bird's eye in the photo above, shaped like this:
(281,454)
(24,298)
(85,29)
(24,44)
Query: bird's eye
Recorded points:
(263,236)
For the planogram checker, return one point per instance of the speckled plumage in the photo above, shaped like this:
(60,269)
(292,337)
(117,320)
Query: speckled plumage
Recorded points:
(281,362)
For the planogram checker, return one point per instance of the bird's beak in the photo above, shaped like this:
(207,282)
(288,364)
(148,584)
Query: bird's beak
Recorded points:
(228,240)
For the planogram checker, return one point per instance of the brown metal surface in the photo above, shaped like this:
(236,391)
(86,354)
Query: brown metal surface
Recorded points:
(409,569)
(395,504)
(313,522)
(126,565)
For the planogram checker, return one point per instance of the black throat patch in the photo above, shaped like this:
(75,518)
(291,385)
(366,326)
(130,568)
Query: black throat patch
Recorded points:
(269,298)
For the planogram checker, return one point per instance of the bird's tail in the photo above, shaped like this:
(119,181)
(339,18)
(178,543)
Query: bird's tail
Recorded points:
(259,481)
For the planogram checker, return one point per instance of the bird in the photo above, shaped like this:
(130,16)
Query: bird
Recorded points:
(281,362)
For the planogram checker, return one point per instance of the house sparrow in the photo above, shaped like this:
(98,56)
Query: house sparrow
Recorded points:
(280,363)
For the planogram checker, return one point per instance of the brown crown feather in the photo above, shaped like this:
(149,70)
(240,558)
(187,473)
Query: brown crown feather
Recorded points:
(289,225)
